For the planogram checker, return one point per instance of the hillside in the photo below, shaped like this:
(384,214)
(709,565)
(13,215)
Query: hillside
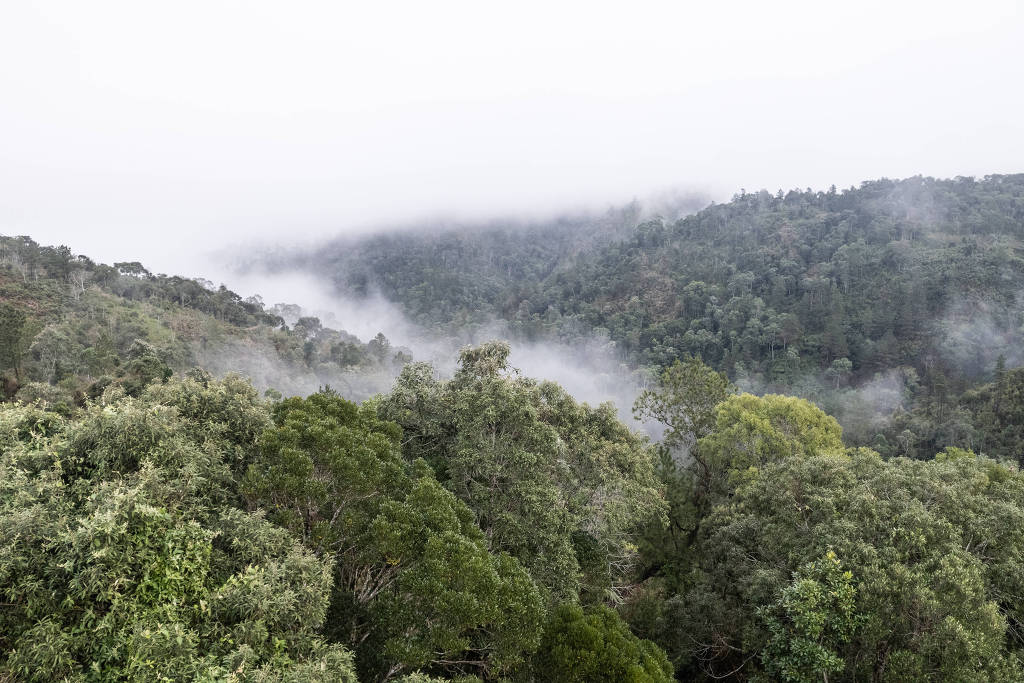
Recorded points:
(883,304)
(832,273)
(468,274)
(71,327)
(907,290)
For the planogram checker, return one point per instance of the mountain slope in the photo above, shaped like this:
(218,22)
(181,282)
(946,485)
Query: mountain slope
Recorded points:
(467,273)
(71,327)
(906,288)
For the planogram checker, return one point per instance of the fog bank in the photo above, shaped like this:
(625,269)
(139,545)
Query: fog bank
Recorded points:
(220,124)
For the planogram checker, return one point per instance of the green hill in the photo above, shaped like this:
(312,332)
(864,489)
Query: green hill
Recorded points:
(71,327)
(907,288)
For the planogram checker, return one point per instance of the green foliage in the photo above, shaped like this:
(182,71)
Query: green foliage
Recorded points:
(931,599)
(597,646)
(46,396)
(813,617)
(415,584)
(155,527)
(753,431)
(747,581)
(144,365)
(82,327)
(467,275)
(226,412)
(12,325)
(999,411)
(777,290)
(666,549)
(685,400)
(419,677)
(559,485)
(123,558)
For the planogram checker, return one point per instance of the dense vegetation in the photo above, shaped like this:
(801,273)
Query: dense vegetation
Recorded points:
(789,556)
(198,532)
(462,276)
(907,290)
(70,327)
(488,527)
(165,522)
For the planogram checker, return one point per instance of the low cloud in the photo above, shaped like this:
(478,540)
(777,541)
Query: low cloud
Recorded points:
(975,333)
(591,370)
(262,365)
(863,410)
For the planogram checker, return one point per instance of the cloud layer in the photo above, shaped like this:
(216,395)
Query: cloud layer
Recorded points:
(135,131)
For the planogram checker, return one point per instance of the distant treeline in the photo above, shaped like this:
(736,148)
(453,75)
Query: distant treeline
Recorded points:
(913,283)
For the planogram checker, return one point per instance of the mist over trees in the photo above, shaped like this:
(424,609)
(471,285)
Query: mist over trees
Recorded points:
(72,327)
(883,303)
(834,494)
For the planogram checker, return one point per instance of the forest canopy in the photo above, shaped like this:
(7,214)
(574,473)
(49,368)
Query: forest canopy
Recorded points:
(162,520)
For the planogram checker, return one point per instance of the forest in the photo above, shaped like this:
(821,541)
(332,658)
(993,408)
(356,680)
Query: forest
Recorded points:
(835,494)
(908,288)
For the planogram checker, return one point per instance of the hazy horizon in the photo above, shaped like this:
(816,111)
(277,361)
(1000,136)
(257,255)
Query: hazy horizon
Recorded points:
(131,132)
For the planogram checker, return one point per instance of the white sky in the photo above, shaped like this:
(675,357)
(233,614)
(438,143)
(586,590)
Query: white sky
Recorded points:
(155,131)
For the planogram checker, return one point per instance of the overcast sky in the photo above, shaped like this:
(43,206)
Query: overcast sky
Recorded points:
(152,131)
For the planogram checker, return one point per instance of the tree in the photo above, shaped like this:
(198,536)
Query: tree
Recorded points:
(15,261)
(12,342)
(52,347)
(379,346)
(308,326)
(932,599)
(998,415)
(415,585)
(834,344)
(126,560)
(753,431)
(685,402)
(812,619)
(58,261)
(144,365)
(77,278)
(133,268)
(561,486)
(597,646)
(839,371)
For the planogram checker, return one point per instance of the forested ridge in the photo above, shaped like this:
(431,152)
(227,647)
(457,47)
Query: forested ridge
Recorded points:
(161,520)
(71,327)
(831,272)
(910,287)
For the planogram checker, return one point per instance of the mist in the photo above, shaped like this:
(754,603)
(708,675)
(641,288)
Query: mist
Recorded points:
(976,333)
(363,317)
(223,124)
(591,370)
(259,364)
